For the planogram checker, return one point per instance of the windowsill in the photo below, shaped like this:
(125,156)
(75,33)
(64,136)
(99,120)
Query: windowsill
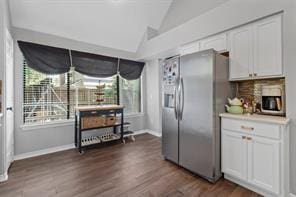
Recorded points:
(63,123)
(58,123)
(131,115)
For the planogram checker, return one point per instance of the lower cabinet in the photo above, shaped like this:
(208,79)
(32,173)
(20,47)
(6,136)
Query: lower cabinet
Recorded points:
(264,163)
(234,160)
(257,161)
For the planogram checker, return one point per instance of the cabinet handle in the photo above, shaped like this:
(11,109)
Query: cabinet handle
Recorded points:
(250,75)
(249,138)
(244,137)
(255,74)
(247,128)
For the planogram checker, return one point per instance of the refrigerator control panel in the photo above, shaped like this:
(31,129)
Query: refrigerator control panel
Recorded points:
(170,71)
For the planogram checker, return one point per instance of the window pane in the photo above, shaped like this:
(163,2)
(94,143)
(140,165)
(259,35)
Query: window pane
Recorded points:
(45,96)
(130,95)
(86,90)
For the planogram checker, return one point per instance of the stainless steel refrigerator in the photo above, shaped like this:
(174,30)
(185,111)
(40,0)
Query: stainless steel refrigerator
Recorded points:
(195,89)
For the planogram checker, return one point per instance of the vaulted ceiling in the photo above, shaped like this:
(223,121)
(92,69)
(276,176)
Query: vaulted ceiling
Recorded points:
(118,24)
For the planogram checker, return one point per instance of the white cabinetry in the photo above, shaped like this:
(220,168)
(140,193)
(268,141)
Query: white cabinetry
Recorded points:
(256,50)
(217,42)
(254,154)
(264,163)
(241,53)
(268,47)
(190,48)
(234,162)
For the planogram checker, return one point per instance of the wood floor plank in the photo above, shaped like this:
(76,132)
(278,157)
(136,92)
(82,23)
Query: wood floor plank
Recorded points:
(126,170)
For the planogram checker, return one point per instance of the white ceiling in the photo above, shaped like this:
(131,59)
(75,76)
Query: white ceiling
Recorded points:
(183,10)
(118,24)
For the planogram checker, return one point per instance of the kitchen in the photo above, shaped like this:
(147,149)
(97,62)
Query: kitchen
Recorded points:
(256,78)
(227,85)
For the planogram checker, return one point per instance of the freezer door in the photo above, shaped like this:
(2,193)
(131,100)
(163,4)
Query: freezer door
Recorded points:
(170,100)
(170,135)
(196,114)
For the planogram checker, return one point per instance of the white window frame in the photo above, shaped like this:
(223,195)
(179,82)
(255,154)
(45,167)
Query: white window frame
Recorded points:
(70,122)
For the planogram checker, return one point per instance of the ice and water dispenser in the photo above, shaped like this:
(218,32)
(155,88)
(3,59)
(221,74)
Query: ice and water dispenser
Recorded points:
(170,75)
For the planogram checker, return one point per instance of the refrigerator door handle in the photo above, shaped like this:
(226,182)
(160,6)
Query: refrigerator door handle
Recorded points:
(181,98)
(176,108)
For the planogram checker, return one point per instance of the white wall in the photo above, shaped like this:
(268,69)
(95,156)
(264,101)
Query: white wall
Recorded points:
(153,100)
(228,15)
(231,14)
(289,62)
(31,139)
(1,78)
(4,23)
(57,41)
(182,11)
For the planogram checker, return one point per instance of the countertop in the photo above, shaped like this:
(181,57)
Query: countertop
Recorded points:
(98,107)
(259,118)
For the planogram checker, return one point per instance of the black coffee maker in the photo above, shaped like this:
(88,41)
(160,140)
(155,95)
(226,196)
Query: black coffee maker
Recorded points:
(272,100)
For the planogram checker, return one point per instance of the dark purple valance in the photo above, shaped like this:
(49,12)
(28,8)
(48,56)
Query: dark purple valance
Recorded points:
(45,59)
(129,69)
(52,60)
(94,65)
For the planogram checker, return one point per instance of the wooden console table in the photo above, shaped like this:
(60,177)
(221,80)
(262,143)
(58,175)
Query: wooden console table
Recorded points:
(98,117)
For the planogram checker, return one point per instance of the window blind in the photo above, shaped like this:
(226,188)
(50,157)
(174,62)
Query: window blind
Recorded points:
(45,96)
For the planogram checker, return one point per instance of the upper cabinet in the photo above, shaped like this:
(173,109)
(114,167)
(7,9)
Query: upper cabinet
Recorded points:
(217,42)
(241,53)
(268,47)
(190,48)
(256,50)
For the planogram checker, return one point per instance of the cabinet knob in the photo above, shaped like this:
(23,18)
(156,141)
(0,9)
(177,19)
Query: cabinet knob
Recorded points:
(250,75)
(255,74)
(249,138)
(244,137)
(247,128)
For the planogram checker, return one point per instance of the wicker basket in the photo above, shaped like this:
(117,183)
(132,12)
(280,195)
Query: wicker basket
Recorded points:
(110,120)
(92,122)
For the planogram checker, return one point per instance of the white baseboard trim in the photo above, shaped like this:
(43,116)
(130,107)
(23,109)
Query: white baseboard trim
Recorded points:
(254,188)
(139,132)
(43,152)
(3,177)
(69,146)
(292,195)
(155,133)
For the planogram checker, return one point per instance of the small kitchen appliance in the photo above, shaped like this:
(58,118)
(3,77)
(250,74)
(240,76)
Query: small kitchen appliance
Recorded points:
(273,100)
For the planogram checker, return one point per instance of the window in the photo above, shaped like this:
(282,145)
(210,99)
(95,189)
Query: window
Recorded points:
(86,90)
(53,97)
(45,97)
(130,95)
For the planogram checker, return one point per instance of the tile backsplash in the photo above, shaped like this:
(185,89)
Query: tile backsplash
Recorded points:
(251,89)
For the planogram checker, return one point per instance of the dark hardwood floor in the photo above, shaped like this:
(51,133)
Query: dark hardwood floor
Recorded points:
(134,169)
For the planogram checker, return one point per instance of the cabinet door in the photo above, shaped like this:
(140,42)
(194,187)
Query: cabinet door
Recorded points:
(218,43)
(264,163)
(234,154)
(241,52)
(268,47)
(190,48)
